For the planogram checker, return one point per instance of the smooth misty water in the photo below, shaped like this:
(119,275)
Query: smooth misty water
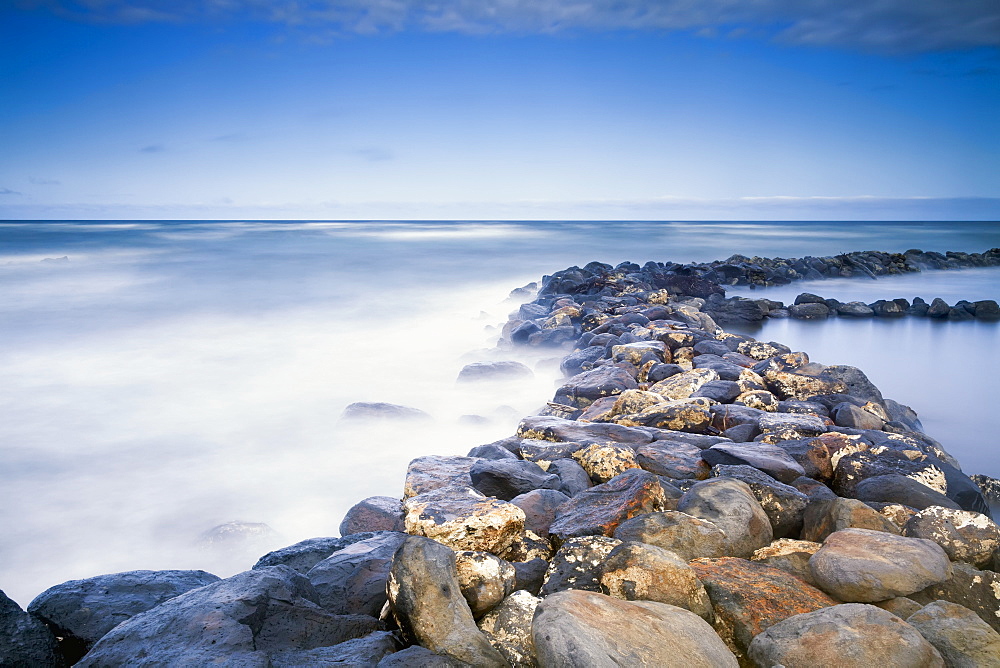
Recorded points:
(172,376)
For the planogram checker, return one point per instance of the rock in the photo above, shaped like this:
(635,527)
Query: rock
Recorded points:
(851,468)
(376,513)
(584,388)
(361,652)
(938,309)
(977,590)
(526,547)
(581,360)
(759,350)
(887,309)
(639,353)
(723,391)
(683,385)
(602,462)
(730,505)
(573,431)
(897,488)
(849,636)
(691,415)
(855,310)
(672,459)
(860,565)
(642,572)
(463,519)
(573,479)
(855,417)
(809,311)
(987,309)
(544,453)
(962,638)
(686,536)
(426,600)
(742,433)
(579,628)
(529,575)
(634,401)
(485,580)
(783,504)
(808,298)
(241,620)
(24,640)
(577,564)
(900,606)
(367,411)
(748,597)
(416,656)
(508,628)
(507,478)
(539,508)
(812,454)
(305,554)
(826,516)
(81,612)
(768,458)
(791,556)
(789,426)
(965,536)
(352,581)
(788,385)
(600,509)
(504,371)
(436,471)
(491,451)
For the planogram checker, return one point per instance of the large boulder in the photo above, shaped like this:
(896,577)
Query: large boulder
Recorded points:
(539,506)
(507,478)
(426,600)
(425,474)
(673,459)
(305,554)
(352,580)
(683,385)
(376,513)
(560,430)
(962,638)
(897,488)
(977,590)
(579,628)
(642,572)
(965,536)
(686,536)
(81,612)
(825,516)
(768,458)
(791,556)
(585,388)
(783,504)
(241,620)
(603,461)
(731,506)
(366,651)
(464,519)
(859,565)
(24,640)
(379,411)
(851,635)
(599,510)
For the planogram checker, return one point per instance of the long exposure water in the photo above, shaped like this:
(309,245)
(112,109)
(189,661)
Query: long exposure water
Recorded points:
(162,378)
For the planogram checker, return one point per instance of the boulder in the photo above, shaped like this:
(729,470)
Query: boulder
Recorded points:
(851,468)
(672,459)
(788,385)
(508,628)
(24,640)
(366,651)
(425,474)
(352,580)
(599,510)
(812,454)
(770,459)
(376,513)
(897,488)
(811,311)
(577,564)
(507,478)
(503,371)
(826,516)
(965,536)
(977,590)
(859,565)
(783,504)
(539,506)
(305,554)
(686,536)
(485,580)
(900,606)
(748,597)
(730,505)
(560,430)
(789,426)
(573,479)
(369,411)
(529,575)
(81,612)
(855,310)
(426,600)
(851,635)
(683,385)
(464,519)
(584,388)
(603,461)
(962,638)
(855,417)
(690,415)
(580,628)
(791,556)
(416,656)
(643,572)
(241,620)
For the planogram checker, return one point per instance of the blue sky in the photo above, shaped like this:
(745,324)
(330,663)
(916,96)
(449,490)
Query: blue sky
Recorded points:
(500,109)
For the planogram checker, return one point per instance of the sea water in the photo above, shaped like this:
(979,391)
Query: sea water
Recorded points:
(161,378)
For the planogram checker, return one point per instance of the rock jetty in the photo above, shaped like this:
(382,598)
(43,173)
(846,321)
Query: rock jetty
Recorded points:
(689,497)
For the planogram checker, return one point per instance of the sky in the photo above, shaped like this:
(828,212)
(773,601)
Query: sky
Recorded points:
(500,109)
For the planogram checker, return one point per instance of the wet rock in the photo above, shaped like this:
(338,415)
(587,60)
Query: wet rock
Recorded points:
(723,391)
(305,554)
(938,309)
(748,597)
(789,426)
(783,504)
(503,371)
(241,620)
(416,656)
(634,401)
(731,506)
(760,350)
(508,628)
(855,417)
(987,309)
(579,628)
(859,565)
(639,353)
(977,590)
(690,415)
(24,640)
(485,580)
(643,572)
(539,508)
(962,638)
(366,651)
(463,519)
(545,452)
(81,612)
(507,478)
(683,385)
(352,580)
(965,536)
(788,385)
(810,311)
(685,535)
(812,455)
(742,433)
(436,471)
(573,479)
(491,451)
(577,564)
(584,388)
(572,431)
(791,556)
(600,509)
(855,310)
(770,459)
(367,411)
(426,600)
(850,469)
(851,635)
(376,513)
(826,516)
(672,459)
(602,462)
(896,488)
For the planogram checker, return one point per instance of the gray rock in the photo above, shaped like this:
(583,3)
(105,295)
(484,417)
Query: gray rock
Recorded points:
(494,372)
(539,506)
(305,554)
(363,652)
(965,536)
(584,388)
(24,640)
(81,612)
(463,519)
(508,478)
(896,488)
(855,417)
(560,430)
(900,606)
(851,636)
(768,458)
(419,657)
(352,580)
(577,564)
(855,310)
(578,628)
(643,572)
(791,556)
(599,510)
(427,603)
(485,580)
(425,474)
(962,638)
(859,565)
(241,620)
(573,479)
(687,536)
(491,451)
(825,516)
(672,459)
(508,627)
(810,311)
(376,513)
(529,575)
(783,504)
(730,505)
(367,411)
(977,590)
(857,382)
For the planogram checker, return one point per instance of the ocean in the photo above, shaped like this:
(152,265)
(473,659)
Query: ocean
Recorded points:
(161,378)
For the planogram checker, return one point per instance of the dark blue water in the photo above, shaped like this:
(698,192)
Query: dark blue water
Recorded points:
(171,376)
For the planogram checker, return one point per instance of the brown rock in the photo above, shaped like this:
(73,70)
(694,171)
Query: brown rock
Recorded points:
(599,510)
(680,461)
(977,590)
(962,638)
(791,556)
(464,519)
(964,535)
(485,580)
(642,572)
(731,506)
(824,517)
(687,536)
(603,461)
(425,474)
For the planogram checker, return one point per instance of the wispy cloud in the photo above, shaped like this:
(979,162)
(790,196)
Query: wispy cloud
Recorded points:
(8,191)
(44,182)
(883,25)
(231,138)
(153,148)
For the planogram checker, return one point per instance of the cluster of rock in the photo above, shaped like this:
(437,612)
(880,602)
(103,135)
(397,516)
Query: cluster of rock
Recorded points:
(689,497)
(808,306)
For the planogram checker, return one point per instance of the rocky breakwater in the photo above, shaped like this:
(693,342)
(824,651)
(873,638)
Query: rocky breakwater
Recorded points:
(689,497)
